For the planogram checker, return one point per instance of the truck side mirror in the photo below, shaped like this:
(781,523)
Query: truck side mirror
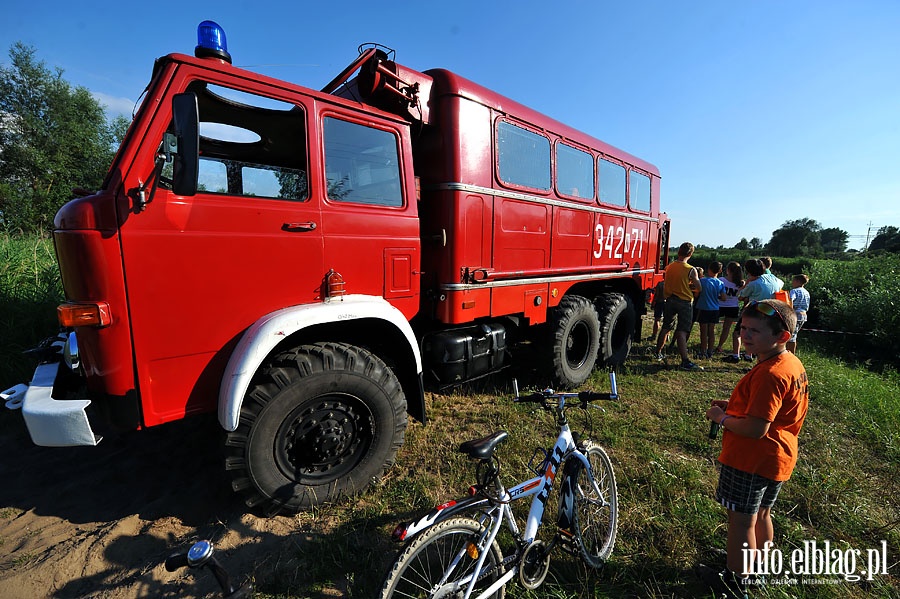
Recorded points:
(186,165)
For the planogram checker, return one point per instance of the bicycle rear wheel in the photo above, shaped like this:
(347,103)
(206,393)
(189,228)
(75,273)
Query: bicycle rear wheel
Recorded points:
(424,563)
(596,516)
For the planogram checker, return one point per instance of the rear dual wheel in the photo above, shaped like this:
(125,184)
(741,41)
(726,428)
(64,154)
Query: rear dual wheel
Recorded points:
(574,342)
(617,322)
(585,333)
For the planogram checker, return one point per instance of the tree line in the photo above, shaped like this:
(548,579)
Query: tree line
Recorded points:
(53,138)
(806,238)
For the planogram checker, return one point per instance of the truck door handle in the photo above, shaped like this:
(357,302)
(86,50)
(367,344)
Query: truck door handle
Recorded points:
(299,227)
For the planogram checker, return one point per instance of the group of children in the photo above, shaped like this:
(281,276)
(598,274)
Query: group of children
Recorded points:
(762,419)
(719,297)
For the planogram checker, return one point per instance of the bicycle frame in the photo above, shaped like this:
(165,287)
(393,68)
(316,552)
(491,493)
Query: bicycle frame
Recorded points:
(500,510)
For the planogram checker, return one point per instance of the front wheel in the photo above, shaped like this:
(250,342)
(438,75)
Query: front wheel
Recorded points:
(321,422)
(595,516)
(434,563)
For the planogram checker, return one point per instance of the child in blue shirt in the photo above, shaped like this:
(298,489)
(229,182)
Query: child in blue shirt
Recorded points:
(712,289)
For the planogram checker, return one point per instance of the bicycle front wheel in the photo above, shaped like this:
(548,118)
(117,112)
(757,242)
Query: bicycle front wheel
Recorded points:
(596,516)
(435,561)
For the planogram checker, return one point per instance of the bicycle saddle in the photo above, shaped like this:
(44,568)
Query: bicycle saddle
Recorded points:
(483,449)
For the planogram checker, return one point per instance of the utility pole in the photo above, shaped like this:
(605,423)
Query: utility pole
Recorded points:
(868,231)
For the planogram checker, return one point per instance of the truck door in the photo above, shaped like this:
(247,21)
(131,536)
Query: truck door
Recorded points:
(199,270)
(369,213)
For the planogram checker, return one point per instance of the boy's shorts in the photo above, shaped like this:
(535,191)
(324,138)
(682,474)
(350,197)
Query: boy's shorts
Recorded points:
(682,309)
(800,324)
(745,493)
(708,317)
(658,310)
(730,312)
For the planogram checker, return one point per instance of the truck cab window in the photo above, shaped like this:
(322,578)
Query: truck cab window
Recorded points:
(250,145)
(362,164)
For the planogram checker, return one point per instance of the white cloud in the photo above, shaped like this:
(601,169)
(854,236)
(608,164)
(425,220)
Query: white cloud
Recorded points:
(115,106)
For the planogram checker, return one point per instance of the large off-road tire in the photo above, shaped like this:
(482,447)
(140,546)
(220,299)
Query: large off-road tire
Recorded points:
(319,422)
(617,321)
(421,565)
(574,342)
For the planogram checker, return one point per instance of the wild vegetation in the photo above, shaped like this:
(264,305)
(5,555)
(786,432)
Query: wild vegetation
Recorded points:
(30,290)
(853,308)
(53,138)
(843,490)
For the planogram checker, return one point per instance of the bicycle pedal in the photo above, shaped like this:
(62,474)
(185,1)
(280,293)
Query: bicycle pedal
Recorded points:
(567,541)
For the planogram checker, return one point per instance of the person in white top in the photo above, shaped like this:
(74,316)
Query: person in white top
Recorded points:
(729,307)
(800,302)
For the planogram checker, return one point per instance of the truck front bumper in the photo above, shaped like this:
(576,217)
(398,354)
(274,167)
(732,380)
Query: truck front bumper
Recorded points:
(51,422)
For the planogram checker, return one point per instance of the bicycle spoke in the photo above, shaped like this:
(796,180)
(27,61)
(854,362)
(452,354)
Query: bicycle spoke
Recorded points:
(437,563)
(595,513)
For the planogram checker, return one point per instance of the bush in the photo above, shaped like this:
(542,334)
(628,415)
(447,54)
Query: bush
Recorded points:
(859,296)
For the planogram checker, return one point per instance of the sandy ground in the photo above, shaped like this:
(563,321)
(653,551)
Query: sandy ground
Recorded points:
(100,521)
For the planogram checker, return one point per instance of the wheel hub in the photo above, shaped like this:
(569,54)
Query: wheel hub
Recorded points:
(447,592)
(577,345)
(323,440)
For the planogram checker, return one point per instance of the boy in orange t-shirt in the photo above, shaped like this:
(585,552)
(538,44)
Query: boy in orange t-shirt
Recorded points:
(760,425)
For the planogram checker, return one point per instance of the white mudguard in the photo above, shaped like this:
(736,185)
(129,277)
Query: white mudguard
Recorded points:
(266,333)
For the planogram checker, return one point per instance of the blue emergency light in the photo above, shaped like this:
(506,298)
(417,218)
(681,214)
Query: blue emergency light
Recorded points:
(211,42)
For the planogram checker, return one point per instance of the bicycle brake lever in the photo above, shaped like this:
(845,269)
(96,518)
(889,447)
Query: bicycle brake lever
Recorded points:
(176,561)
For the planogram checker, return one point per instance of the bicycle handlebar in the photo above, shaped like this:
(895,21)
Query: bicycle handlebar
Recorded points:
(584,396)
(201,554)
(587,396)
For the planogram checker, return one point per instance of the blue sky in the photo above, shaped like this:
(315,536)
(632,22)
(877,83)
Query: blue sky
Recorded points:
(755,112)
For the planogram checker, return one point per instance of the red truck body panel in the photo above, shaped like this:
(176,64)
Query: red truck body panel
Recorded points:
(185,276)
(512,232)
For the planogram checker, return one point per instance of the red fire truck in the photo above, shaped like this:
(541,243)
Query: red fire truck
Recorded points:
(304,262)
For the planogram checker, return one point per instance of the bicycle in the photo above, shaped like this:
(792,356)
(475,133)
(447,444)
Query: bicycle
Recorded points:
(453,553)
(201,555)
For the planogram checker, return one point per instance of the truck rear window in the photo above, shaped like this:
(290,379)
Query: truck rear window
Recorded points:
(639,194)
(612,183)
(574,172)
(523,157)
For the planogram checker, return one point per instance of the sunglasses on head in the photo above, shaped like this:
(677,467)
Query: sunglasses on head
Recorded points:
(768,310)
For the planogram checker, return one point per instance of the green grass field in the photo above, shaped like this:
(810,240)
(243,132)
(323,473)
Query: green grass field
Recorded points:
(844,489)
